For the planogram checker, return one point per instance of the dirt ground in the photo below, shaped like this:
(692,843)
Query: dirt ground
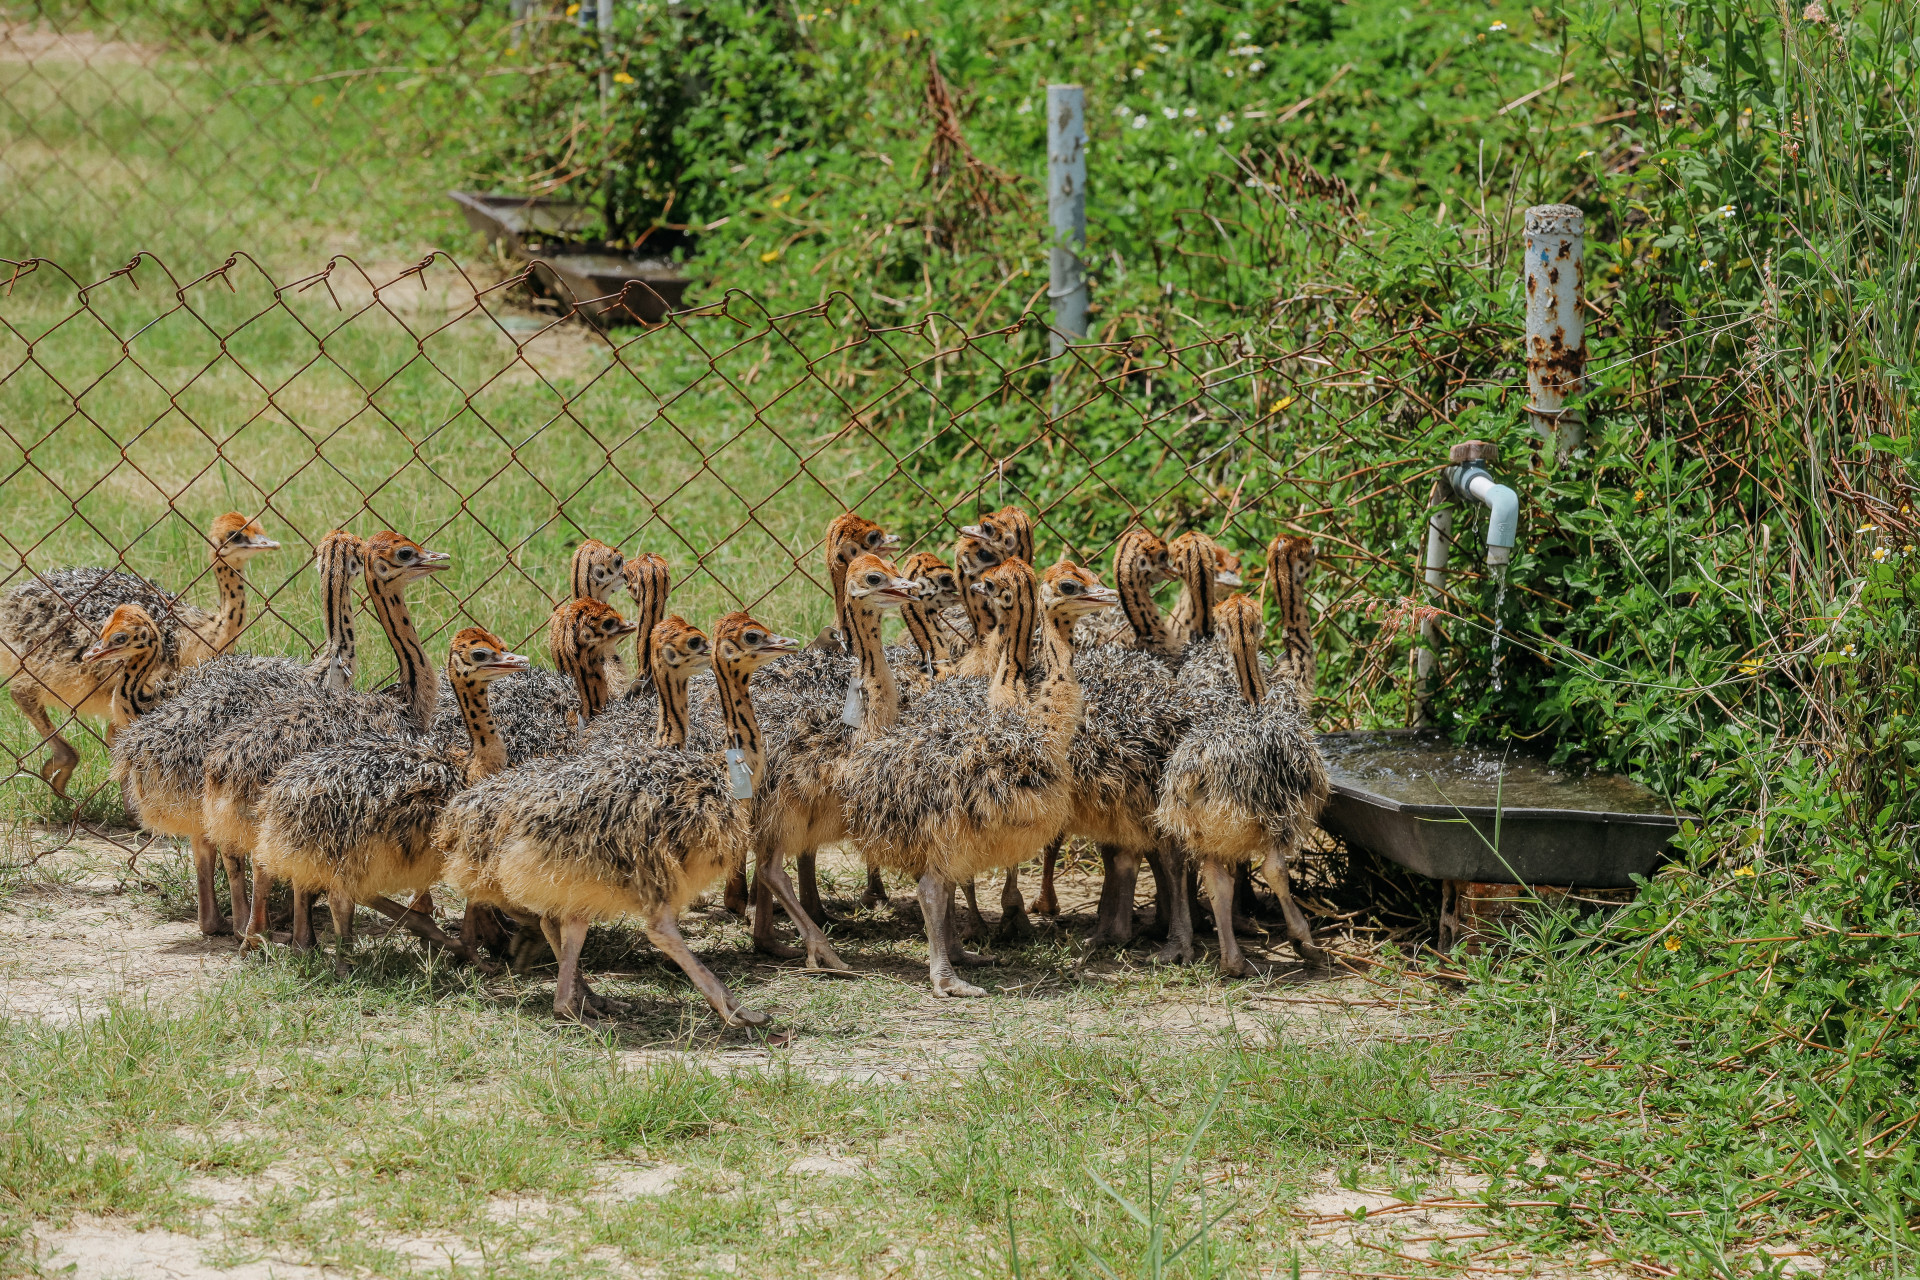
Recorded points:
(79,931)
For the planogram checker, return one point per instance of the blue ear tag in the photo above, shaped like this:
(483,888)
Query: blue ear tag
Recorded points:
(739,774)
(852,714)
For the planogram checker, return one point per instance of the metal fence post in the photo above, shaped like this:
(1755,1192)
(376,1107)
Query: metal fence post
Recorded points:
(1556,331)
(1067,210)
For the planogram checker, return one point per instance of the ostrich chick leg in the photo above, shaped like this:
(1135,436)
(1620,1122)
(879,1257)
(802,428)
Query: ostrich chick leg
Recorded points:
(303,906)
(806,878)
(876,894)
(1014,925)
(664,932)
(427,931)
(1115,923)
(212,923)
(340,904)
(734,897)
(556,935)
(236,865)
(1171,916)
(820,954)
(1275,871)
(1219,884)
(936,898)
(569,999)
(1046,903)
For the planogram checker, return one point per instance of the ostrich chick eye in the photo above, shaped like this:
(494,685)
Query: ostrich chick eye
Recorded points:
(480,655)
(754,637)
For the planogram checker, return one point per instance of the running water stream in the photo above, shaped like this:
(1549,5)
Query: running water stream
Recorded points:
(1499,608)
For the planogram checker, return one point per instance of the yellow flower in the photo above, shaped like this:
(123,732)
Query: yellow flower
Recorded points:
(1625,994)
(1879,555)
(1868,528)
(782,198)
(1751,667)
(1282,403)
(1672,943)
(1745,871)
(572,9)
(1639,495)
(621,77)
(769,255)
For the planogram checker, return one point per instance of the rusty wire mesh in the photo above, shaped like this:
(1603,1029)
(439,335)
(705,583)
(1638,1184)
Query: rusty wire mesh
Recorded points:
(136,407)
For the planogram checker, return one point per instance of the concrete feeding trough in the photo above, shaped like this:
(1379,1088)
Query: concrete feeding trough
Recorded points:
(1473,817)
(605,285)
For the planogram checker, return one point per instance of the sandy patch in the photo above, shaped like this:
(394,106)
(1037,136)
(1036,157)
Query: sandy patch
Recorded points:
(24,42)
(638,1182)
(70,948)
(105,1249)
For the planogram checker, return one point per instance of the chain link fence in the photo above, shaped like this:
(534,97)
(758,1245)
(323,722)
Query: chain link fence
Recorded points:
(136,407)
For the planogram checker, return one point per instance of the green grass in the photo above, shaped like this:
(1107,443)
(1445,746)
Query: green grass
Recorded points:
(400,1104)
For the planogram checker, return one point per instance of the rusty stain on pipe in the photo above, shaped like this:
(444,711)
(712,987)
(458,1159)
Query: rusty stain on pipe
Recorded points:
(1556,341)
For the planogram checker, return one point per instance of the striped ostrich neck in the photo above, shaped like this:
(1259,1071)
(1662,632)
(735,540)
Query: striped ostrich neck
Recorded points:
(649,584)
(417,680)
(1133,576)
(736,715)
(1012,648)
(880,696)
(334,666)
(924,630)
(581,573)
(587,668)
(232,618)
(1243,644)
(137,686)
(488,754)
(1056,695)
(1296,639)
(979,612)
(670,684)
(1196,590)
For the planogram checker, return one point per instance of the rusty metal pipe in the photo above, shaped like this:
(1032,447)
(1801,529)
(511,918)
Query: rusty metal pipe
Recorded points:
(1556,342)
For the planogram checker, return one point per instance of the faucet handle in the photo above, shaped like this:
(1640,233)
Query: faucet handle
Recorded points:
(1484,451)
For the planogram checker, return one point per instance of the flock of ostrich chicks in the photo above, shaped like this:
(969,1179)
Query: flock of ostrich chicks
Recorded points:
(1021,713)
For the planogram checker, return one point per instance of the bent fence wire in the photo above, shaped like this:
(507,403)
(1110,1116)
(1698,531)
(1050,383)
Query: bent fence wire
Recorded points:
(137,407)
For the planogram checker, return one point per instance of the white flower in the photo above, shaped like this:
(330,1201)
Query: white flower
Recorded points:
(1139,122)
(1154,32)
(1172,165)
(1498,26)
(1868,528)
(1138,72)
(1026,106)
(1161,48)
(1879,555)
(1847,652)
(1724,211)
(1120,109)
(1243,35)
(1706,264)
(1229,73)
(1171,113)
(1190,112)
(1199,133)
(1223,125)
(1584,154)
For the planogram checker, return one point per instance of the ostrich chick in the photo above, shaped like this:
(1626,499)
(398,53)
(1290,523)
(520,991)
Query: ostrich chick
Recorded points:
(356,821)
(1246,786)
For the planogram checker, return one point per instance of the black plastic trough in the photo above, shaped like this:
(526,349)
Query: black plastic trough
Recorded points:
(1485,815)
(607,286)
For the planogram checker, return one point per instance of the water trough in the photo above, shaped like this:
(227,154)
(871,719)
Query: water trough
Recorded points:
(606,285)
(1475,817)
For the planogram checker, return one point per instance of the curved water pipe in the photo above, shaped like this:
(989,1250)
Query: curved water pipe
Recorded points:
(1467,478)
